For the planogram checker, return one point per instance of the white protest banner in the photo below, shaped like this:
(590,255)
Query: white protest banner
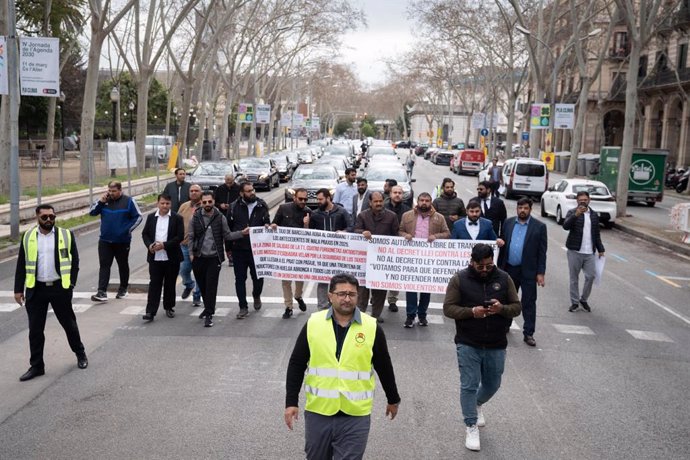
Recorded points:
(394,263)
(564,116)
(302,254)
(478,119)
(117,155)
(4,85)
(263,113)
(39,66)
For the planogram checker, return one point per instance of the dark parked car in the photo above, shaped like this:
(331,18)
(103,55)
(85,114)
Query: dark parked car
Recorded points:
(285,167)
(442,157)
(312,177)
(262,172)
(420,149)
(210,174)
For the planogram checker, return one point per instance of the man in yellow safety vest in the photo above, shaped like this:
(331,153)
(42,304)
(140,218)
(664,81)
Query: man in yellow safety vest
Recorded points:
(47,267)
(339,348)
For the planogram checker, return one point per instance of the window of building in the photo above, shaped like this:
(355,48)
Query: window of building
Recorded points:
(620,43)
(682,56)
(661,62)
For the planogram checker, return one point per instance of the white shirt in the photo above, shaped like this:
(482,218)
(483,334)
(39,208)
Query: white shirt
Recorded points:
(46,257)
(473,230)
(586,247)
(162,236)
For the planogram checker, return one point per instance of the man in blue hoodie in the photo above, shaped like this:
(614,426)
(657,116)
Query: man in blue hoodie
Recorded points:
(120,215)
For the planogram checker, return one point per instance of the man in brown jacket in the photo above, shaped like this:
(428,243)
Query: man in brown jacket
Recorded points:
(375,221)
(187,211)
(422,222)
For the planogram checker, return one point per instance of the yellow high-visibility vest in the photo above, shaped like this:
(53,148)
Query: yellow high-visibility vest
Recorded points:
(64,254)
(347,384)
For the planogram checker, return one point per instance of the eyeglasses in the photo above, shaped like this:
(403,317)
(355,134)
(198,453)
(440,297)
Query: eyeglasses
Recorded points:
(300,199)
(481,267)
(46,217)
(343,294)
(207,202)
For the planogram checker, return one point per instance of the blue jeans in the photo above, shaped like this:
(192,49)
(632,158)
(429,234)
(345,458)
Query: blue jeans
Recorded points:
(417,309)
(186,272)
(480,377)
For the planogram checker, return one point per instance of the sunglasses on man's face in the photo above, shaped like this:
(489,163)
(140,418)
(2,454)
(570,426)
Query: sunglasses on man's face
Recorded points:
(207,202)
(46,217)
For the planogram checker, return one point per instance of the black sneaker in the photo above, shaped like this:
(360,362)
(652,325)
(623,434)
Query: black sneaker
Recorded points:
(393,307)
(585,305)
(204,314)
(300,302)
(422,321)
(187,291)
(244,312)
(147,317)
(409,322)
(573,307)
(100,296)
(257,303)
(288,313)
(209,321)
(121,294)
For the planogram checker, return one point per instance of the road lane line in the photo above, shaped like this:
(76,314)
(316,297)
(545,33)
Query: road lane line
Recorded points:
(622,259)
(649,335)
(668,309)
(662,279)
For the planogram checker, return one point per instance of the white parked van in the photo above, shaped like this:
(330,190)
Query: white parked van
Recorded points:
(160,146)
(525,176)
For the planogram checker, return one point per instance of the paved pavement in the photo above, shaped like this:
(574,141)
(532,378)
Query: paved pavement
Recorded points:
(604,384)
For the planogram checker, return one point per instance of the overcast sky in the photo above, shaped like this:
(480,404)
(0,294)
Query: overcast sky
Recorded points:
(388,34)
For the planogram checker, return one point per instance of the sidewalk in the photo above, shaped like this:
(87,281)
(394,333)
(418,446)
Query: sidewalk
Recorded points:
(650,224)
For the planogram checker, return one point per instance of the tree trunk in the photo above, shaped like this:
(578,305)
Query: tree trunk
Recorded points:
(577,133)
(5,144)
(628,131)
(88,113)
(224,126)
(142,116)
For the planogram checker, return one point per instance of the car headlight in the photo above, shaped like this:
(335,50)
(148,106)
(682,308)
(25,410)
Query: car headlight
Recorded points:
(263,177)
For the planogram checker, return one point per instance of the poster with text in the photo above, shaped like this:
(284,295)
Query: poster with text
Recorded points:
(394,263)
(263,113)
(39,66)
(117,155)
(564,116)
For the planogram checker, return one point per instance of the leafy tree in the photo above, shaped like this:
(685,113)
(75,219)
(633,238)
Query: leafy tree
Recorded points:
(342,126)
(368,130)
(158,97)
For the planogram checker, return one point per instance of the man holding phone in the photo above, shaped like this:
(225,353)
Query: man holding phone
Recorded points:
(583,240)
(483,301)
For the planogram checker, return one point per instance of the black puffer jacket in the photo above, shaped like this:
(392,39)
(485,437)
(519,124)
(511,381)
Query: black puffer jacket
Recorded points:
(337,219)
(576,224)
(239,219)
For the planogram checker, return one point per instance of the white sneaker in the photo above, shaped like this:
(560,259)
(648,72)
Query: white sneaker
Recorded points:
(481,421)
(472,438)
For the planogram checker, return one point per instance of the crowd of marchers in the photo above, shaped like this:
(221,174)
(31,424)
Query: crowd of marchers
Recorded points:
(193,232)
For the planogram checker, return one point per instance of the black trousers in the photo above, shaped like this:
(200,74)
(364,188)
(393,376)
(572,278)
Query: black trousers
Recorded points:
(37,301)
(206,272)
(243,260)
(106,253)
(163,276)
(528,298)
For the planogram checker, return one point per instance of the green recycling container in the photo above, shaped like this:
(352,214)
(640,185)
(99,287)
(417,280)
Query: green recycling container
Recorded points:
(646,175)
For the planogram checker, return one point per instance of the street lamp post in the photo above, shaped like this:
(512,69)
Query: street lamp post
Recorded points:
(131,118)
(61,158)
(114,98)
(556,67)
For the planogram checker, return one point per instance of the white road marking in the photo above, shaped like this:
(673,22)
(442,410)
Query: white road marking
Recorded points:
(275,313)
(572,329)
(81,307)
(435,319)
(649,335)
(309,289)
(669,310)
(221,312)
(133,311)
(8,307)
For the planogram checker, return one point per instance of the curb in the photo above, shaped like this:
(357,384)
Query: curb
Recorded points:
(671,245)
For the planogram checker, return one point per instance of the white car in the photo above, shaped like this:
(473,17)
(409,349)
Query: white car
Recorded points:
(561,197)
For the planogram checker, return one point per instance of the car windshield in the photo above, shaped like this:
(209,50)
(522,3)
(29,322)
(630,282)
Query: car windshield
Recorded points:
(213,169)
(338,148)
(399,175)
(156,141)
(253,163)
(315,174)
(593,190)
(281,161)
(335,162)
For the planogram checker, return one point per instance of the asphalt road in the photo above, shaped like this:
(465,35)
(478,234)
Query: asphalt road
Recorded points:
(606,384)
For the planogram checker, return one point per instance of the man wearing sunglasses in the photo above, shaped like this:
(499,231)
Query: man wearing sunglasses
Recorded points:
(295,215)
(483,302)
(47,266)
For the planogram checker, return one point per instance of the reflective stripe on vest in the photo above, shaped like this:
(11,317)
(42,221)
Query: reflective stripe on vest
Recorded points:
(64,255)
(347,384)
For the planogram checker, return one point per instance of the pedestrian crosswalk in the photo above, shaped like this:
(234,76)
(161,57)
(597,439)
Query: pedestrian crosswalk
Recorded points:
(274,307)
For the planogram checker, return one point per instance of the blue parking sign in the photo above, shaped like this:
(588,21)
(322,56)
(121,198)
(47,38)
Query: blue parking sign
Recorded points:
(525,135)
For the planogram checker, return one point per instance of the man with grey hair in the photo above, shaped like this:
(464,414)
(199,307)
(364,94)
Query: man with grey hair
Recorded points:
(226,193)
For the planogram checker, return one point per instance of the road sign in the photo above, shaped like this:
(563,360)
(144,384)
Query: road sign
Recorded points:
(525,136)
(484,132)
(478,120)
